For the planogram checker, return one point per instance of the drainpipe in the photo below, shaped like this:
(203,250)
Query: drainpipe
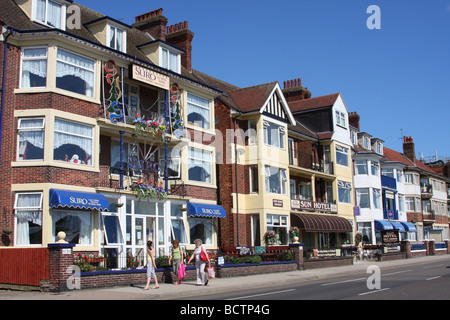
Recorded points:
(5,47)
(236,177)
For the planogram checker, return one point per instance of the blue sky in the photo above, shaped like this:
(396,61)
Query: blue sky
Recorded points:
(396,78)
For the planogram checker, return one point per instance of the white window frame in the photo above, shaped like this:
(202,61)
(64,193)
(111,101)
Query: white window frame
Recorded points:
(45,22)
(165,60)
(209,126)
(253,172)
(92,137)
(278,221)
(209,162)
(77,66)
(22,58)
(76,212)
(280,135)
(341,119)
(108,37)
(360,192)
(358,165)
(281,176)
(17,208)
(41,128)
(344,151)
(108,243)
(345,185)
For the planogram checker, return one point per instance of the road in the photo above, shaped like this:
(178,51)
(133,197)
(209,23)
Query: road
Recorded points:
(425,281)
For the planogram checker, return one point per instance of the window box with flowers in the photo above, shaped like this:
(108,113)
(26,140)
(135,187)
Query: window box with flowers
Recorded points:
(145,191)
(154,127)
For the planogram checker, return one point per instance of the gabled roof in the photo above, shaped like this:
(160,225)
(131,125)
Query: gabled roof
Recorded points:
(399,157)
(313,103)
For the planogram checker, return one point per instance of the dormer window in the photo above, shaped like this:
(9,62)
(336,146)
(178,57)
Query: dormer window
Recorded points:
(50,13)
(116,38)
(170,60)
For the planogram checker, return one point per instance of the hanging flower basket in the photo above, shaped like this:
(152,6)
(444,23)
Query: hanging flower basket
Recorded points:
(154,127)
(148,192)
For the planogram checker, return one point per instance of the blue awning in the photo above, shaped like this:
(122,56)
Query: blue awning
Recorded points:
(409,226)
(77,200)
(205,210)
(398,226)
(383,225)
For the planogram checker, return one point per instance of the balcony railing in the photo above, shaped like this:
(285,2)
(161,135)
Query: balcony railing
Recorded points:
(388,182)
(306,160)
(426,190)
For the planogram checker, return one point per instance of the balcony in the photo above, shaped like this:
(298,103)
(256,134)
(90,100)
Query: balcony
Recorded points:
(313,206)
(426,191)
(390,214)
(306,160)
(429,217)
(388,182)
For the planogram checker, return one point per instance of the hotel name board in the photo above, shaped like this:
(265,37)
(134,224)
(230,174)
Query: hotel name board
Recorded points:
(307,205)
(150,77)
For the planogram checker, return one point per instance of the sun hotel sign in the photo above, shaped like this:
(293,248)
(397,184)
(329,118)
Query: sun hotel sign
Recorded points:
(306,205)
(150,77)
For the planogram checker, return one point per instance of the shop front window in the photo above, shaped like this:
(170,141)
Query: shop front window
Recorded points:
(178,226)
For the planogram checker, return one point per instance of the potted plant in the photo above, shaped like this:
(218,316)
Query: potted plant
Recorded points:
(294,233)
(269,237)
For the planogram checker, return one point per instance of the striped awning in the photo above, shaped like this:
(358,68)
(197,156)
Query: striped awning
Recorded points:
(320,223)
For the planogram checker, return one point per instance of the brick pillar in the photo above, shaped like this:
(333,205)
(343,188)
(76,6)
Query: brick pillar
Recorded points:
(447,243)
(407,248)
(297,252)
(427,247)
(432,247)
(61,260)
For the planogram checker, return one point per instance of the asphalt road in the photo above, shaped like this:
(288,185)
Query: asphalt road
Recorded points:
(425,281)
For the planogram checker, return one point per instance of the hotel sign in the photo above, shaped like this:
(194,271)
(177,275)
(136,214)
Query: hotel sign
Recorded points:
(306,205)
(150,77)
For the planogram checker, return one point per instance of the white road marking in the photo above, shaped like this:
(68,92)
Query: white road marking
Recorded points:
(262,294)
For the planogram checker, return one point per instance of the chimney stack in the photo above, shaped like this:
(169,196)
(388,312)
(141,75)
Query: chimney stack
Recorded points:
(409,149)
(293,90)
(152,22)
(353,119)
(179,35)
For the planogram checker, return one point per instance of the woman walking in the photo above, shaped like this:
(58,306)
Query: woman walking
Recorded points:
(151,266)
(176,256)
(199,263)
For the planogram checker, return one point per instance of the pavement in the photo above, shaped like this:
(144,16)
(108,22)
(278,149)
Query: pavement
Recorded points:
(189,289)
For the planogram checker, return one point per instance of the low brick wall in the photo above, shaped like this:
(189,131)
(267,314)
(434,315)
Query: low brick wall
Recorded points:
(98,279)
(327,262)
(237,270)
(391,256)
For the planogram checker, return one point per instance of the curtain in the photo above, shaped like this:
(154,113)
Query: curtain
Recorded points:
(75,134)
(54,14)
(119,40)
(34,62)
(112,37)
(198,111)
(199,165)
(40,10)
(28,209)
(77,66)
(75,223)
(173,61)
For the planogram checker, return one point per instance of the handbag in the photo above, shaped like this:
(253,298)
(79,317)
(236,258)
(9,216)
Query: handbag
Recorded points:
(181,271)
(211,273)
(203,256)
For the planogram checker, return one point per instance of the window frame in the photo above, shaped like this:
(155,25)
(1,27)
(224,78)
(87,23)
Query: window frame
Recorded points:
(110,26)
(362,163)
(92,137)
(34,129)
(210,161)
(280,135)
(165,60)
(194,124)
(340,150)
(343,186)
(17,208)
(22,58)
(45,22)
(282,177)
(93,70)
